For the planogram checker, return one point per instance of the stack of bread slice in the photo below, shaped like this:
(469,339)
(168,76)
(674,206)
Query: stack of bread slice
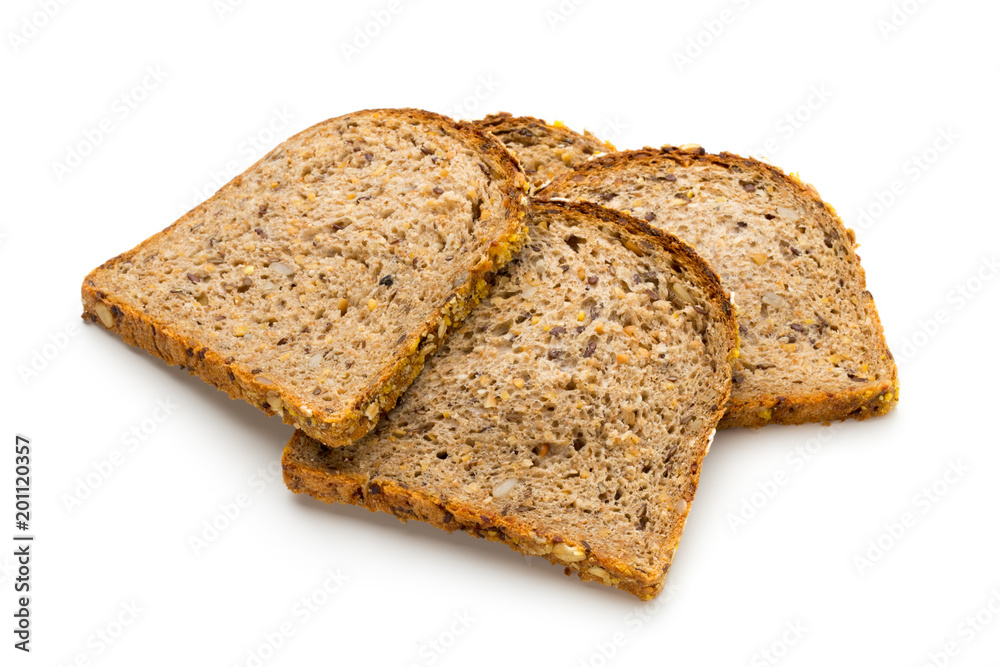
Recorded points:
(636,303)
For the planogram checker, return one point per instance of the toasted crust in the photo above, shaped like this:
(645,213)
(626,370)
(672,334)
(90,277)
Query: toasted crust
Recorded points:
(522,133)
(305,472)
(409,503)
(142,330)
(503,122)
(869,399)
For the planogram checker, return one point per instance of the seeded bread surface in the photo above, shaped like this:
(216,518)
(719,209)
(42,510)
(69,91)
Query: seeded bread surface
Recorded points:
(545,151)
(569,416)
(812,347)
(315,284)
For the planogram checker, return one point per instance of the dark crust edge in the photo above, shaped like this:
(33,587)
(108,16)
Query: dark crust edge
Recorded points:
(143,331)
(377,494)
(869,399)
(503,122)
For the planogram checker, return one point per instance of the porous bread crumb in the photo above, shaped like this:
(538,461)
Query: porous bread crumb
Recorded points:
(812,346)
(593,447)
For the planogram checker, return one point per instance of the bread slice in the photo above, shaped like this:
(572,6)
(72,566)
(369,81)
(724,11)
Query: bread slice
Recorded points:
(315,284)
(544,151)
(812,347)
(569,416)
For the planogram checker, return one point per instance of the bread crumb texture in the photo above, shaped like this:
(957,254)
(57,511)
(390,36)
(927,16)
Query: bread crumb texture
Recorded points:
(314,284)
(811,343)
(569,415)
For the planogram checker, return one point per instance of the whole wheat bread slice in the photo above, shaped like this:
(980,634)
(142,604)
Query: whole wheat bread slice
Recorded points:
(315,284)
(545,151)
(569,416)
(811,343)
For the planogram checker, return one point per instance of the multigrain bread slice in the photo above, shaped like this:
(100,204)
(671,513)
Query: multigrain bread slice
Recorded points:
(811,343)
(545,151)
(569,416)
(315,284)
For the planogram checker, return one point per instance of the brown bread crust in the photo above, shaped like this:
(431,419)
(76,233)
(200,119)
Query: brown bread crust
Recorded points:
(142,330)
(521,133)
(503,122)
(304,470)
(409,503)
(869,399)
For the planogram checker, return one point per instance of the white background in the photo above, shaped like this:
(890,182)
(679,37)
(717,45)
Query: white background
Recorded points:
(868,99)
